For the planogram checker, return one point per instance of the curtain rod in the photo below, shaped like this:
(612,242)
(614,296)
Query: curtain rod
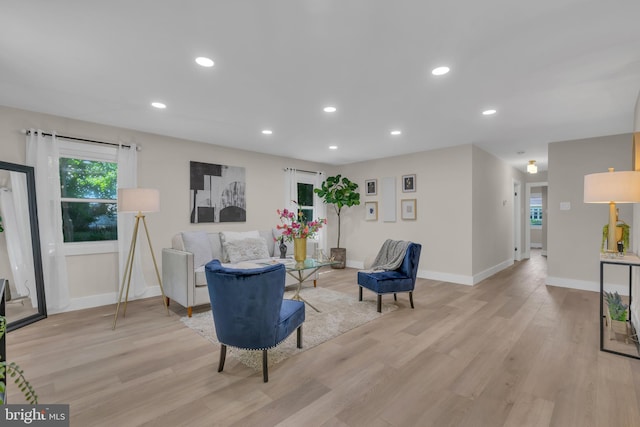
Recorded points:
(299,170)
(73,138)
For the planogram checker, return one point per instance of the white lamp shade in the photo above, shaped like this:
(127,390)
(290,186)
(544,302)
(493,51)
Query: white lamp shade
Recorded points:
(138,200)
(607,187)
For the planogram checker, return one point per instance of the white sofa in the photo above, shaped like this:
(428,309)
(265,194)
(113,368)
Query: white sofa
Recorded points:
(183,276)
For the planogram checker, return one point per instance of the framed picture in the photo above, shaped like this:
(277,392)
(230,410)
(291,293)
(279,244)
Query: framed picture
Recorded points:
(408,183)
(217,193)
(408,209)
(371,209)
(371,187)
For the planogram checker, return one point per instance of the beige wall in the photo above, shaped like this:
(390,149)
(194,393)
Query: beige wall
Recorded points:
(574,235)
(493,213)
(163,163)
(464,227)
(443,224)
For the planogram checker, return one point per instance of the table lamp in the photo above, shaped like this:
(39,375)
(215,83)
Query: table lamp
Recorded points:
(137,200)
(612,187)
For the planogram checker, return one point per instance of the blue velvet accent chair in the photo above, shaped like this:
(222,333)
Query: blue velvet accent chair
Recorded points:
(249,311)
(401,280)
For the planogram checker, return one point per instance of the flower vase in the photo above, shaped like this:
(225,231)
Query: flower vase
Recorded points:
(283,249)
(299,249)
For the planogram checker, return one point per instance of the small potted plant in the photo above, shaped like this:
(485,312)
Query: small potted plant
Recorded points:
(12,370)
(340,192)
(616,314)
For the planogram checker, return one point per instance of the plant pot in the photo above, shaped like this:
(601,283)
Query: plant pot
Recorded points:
(617,327)
(340,255)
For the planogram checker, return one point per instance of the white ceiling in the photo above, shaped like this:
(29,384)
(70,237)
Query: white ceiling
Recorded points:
(554,70)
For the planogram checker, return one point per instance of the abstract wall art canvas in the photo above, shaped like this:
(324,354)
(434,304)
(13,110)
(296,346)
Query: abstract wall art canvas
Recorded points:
(217,193)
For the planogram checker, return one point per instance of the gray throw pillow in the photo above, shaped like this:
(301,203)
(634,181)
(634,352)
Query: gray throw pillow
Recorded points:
(230,236)
(197,242)
(246,249)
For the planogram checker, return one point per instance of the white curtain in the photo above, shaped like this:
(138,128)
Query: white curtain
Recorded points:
(321,211)
(43,155)
(128,178)
(290,189)
(15,215)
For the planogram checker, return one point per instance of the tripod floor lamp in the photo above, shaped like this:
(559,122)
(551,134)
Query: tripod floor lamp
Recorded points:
(137,200)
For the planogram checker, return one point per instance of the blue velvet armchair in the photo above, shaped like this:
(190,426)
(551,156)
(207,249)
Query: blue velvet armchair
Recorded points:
(249,311)
(402,279)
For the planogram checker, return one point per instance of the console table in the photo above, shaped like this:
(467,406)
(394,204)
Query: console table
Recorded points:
(630,261)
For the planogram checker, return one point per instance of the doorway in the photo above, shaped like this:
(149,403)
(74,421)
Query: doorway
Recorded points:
(538,214)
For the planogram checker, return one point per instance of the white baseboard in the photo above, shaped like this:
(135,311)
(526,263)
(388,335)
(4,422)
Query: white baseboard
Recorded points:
(355,264)
(477,278)
(446,277)
(459,279)
(586,285)
(103,299)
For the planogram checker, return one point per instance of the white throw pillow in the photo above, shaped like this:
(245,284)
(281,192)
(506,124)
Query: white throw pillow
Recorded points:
(246,249)
(197,242)
(230,236)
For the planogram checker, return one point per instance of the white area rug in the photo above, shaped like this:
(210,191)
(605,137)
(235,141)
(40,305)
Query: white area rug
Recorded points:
(339,313)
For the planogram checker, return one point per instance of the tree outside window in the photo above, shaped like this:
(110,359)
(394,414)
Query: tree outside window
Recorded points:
(89,200)
(305,201)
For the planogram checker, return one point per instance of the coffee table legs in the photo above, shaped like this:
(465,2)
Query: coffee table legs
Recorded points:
(300,278)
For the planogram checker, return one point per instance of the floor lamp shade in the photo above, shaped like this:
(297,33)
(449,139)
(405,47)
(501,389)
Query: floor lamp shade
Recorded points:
(612,187)
(138,200)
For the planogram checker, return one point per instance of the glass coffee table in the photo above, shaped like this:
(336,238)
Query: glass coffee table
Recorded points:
(301,271)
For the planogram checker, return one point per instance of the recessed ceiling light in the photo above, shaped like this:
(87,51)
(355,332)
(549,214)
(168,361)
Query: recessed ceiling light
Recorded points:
(158,105)
(489,112)
(205,62)
(440,71)
(333,147)
(267,132)
(396,132)
(329,109)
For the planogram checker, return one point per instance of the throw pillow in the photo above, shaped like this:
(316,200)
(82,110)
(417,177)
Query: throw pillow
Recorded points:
(247,249)
(197,242)
(230,236)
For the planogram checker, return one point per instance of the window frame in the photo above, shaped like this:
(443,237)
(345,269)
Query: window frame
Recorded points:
(96,153)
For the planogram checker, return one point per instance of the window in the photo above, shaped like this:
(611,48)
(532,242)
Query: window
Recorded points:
(535,210)
(88,189)
(89,200)
(306,196)
(305,201)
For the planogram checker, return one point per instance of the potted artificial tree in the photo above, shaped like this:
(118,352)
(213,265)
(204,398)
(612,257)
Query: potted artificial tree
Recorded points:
(340,192)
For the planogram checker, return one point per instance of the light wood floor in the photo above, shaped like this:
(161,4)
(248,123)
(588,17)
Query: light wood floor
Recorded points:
(507,352)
